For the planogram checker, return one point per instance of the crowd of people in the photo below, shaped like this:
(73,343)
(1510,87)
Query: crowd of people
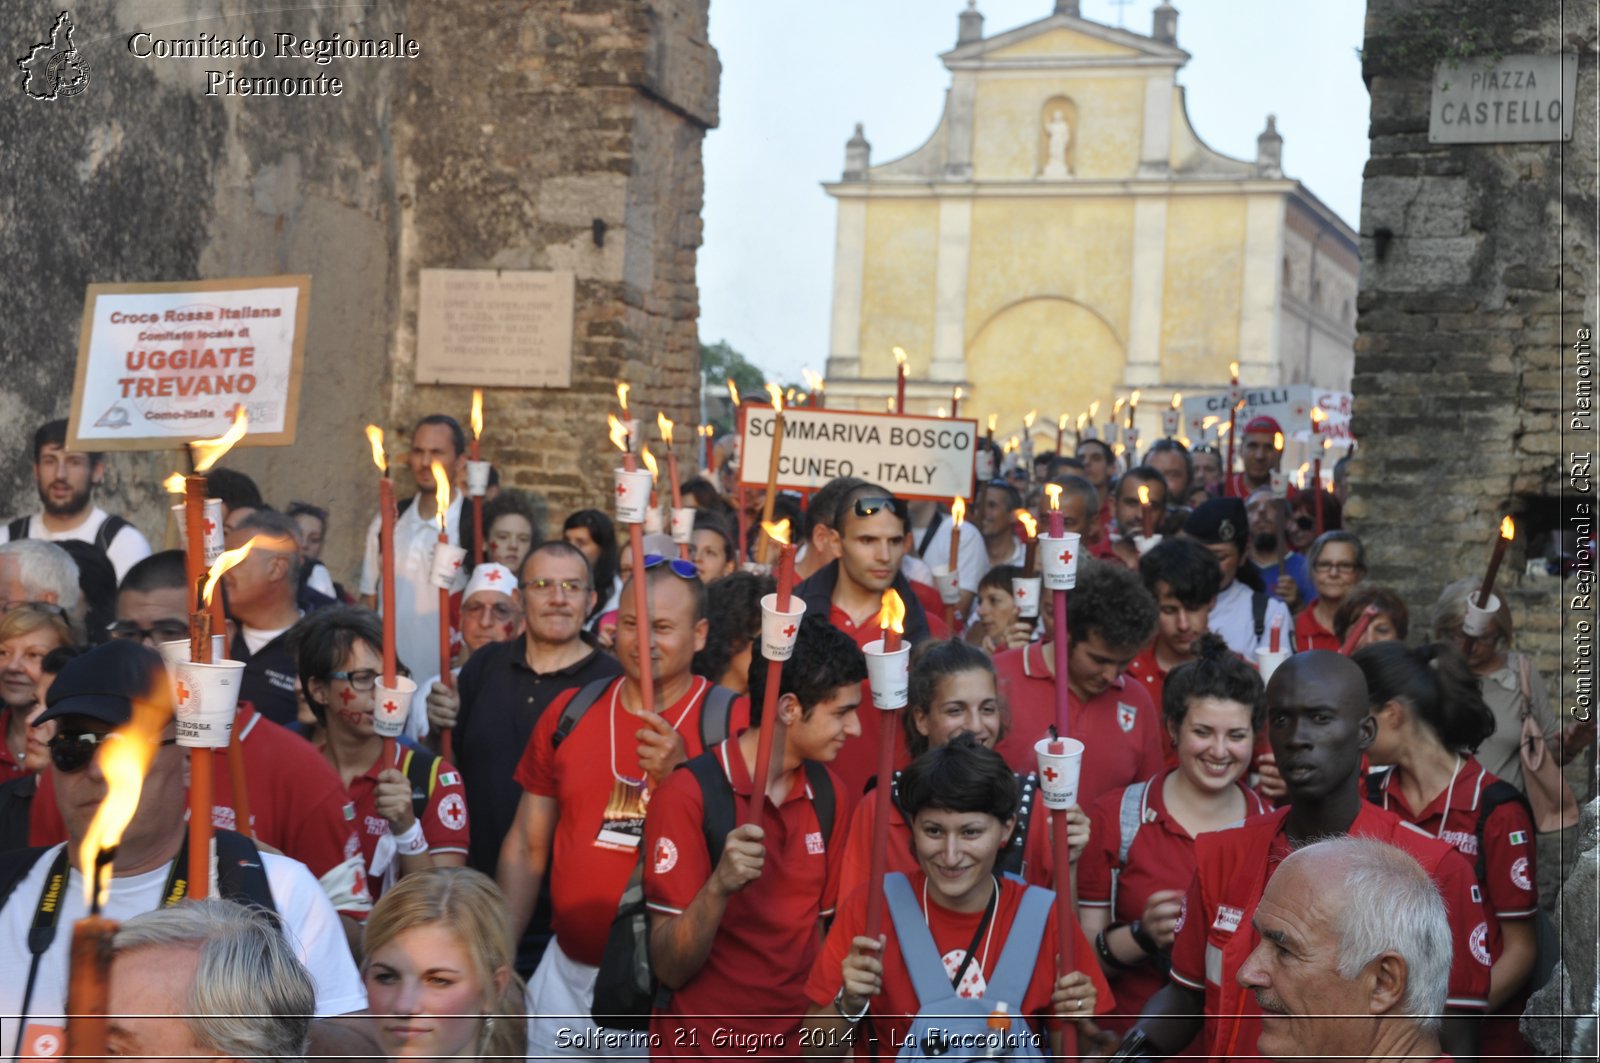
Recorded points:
(526,871)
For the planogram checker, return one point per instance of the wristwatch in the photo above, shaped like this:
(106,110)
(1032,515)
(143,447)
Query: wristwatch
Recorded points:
(838,1005)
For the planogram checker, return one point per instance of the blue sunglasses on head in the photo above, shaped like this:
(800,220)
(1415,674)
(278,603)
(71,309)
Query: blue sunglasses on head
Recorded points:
(679,566)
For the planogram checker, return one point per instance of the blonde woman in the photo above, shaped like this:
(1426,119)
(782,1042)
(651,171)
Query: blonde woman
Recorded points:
(438,969)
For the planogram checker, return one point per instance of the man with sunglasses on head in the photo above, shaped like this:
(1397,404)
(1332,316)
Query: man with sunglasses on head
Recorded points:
(491,612)
(849,594)
(297,804)
(43,890)
(588,773)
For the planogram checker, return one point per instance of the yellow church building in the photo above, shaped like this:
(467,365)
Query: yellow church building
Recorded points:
(1064,236)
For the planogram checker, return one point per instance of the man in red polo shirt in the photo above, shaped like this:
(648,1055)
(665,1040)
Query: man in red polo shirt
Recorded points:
(1129,512)
(849,592)
(734,940)
(1109,617)
(1319,725)
(1184,579)
(1261,447)
(587,783)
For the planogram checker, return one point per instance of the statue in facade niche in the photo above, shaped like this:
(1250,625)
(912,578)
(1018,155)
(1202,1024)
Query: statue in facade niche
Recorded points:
(1058,135)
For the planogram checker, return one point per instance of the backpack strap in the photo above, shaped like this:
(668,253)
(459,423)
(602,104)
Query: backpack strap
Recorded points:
(1494,795)
(1130,817)
(923,961)
(1375,781)
(241,875)
(714,716)
(1018,959)
(823,799)
(108,531)
(18,529)
(1258,609)
(421,769)
(585,697)
(716,795)
(1013,857)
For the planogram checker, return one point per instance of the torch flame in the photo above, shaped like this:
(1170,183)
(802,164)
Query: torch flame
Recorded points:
(899,356)
(958,511)
(1054,491)
(1134,401)
(942,411)
(1318,415)
(888,403)
(788,396)
(1083,419)
(1508,530)
(1300,473)
(1061,422)
(1030,417)
(207,452)
(733,391)
(665,425)
(813,379)
(174,483)
(441,491)
(1177,400)
(1144,494)
(1277,441)
(477,413)
(622,396)
(229,558)
(1207,422)
(1327,444)
(1116,407)
(1029,525)
(619,433)
(1233,371)
(124,763)
(650,463)
(892,613)
(1094,409)
(779,532)
(379,458)
(776,394)
(959,394)
(994,419)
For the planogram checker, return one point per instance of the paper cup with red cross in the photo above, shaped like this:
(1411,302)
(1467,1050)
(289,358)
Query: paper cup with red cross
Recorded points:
(176,652)
(682,524)
(391,705)
(888,675)
(447,562)
(983,466)
(477,479)
(1146,543)
(213,528)
(1280,484)
(1058,558)
(1268,660)
(633,495)
(949,587)
(1060,760)
(780,628)
(1171,421)
(206,696)
(1476,623)
(1025,593)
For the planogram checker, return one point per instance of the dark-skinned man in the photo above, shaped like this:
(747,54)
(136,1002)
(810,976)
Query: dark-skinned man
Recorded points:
(587,779)
(849,593)
(1319,724)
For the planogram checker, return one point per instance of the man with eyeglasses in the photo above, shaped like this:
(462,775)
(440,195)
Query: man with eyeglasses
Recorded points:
(587,775)
(490,612)
(66,480)
(504,689)
(849,594)
(90,700)
(1245,613)
(297,804)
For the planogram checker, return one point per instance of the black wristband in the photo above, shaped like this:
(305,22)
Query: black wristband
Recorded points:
(1103,947)
(1142,938)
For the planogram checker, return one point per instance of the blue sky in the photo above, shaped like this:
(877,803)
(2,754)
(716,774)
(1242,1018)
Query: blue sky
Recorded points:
(797,76)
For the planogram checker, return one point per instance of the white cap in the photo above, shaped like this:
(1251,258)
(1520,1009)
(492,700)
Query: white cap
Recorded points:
(491,577)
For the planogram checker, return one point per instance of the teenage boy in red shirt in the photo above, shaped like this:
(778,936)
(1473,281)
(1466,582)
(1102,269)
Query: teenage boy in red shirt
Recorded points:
(1184,579)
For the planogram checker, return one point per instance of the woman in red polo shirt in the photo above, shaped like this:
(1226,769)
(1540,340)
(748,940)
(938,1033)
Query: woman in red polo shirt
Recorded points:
(952,691)
(1431,718)
(1338,562)
(1130,889)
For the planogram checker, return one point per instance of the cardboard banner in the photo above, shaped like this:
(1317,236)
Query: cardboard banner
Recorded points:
(1290,406)
(915,457)
(162,364)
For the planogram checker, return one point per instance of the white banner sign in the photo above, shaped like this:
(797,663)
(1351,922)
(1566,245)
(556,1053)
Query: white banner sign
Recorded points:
(162,364)
(1290,406)
(915,457)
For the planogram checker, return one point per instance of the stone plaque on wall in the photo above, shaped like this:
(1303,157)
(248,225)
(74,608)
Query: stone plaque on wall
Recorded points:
(495,328)
(1510,100)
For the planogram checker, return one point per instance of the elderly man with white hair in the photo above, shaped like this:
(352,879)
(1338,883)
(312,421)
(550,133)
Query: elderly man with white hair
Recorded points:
(1354,957)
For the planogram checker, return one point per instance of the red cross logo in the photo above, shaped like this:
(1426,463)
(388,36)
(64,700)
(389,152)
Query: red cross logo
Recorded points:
(788,631)
(183,692)
(1050,774)
(457,564)
(1022,592)
(347,695)
(390,707)
(492,576)
(622,489)
(209,526)
(1299,411)
(1066,557)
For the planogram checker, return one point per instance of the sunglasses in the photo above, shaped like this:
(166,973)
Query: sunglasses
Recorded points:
(160,631)
(680,568)
(71,751)
(866,507)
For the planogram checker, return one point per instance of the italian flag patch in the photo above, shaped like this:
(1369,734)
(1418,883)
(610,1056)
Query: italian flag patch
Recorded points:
(1518,837)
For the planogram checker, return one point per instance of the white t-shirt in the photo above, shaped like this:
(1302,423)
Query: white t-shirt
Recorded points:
(417,716)
(972,561)
(128,546)
(416,599)
(309,924)
(255,638)
(1234,619)
(321,581)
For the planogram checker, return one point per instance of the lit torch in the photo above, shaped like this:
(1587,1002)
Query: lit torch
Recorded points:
(386,519)
(1147,515)
(641,597)
(664,425)
(772,471)
(818,387)
(886,664)
(778,533)
(473,486)
(441,502)
(1030,528)
(900,380)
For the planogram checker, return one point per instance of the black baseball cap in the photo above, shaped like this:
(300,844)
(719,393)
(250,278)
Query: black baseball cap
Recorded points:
(102,683)
(1217,520)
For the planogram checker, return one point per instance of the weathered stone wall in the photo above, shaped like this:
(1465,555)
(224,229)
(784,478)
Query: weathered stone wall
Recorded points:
(1477,270)
(523,131)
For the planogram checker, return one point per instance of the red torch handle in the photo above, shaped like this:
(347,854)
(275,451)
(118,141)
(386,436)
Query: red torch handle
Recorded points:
(878,866)
(1064,919)
(769,703)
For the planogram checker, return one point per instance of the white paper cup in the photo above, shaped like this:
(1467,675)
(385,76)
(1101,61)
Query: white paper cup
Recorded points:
(1058,772)
(446,566)
(391,705)
(1058,558)
(1130,438)
(1476,623)
(206,696)
(888,675)
(653,524)
(780,629)
(176,652)
(947,583)
(1280,484)
(1145,543)
(633,495)
(983,466)
(213,528)
(1090,432)
(1025,593)
(683,524)
(477,478)
(1170,419)
(1268,660)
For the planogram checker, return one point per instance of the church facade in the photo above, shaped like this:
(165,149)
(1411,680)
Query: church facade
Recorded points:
(1064,236)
